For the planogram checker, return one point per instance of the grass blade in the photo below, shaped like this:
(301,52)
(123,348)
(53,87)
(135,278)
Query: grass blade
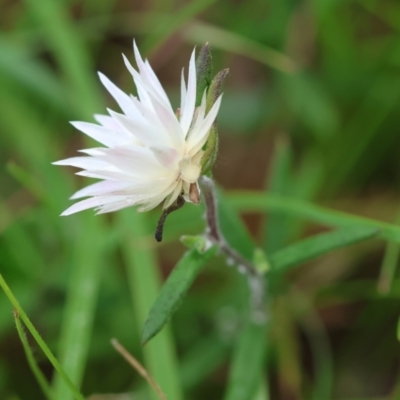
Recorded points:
(39,340)
(70,52)
(247,364)
(320,244)
(41,379)
(260,202)
(276,230)
(173,291)
(82,293)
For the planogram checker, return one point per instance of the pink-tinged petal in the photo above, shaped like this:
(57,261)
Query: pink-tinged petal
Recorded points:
(121,98)
(187,115)
(102,188)
(199,137)
(102,135)
(89,163)
(90,203)
(167,156)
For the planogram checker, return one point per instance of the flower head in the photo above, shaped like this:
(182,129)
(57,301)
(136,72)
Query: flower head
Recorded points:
(152,153)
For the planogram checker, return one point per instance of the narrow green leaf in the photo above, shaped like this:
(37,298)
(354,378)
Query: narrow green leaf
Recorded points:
(261,202)
(164,29)
(174,290)
(70,52)
(203,358)
(318,245)
(41,379)
(238,44)
(277,224)
(247,365)
(398,329)
(39,340)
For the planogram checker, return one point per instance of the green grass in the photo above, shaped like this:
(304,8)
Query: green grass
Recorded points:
(308,142)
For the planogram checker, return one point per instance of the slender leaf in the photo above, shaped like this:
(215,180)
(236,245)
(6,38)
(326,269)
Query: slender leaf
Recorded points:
(276,230)
(72,56)
(39,340)
(206,356)
(253,202)
(245,373)
(174,290)
(164,30)
(41,379)
(318,245)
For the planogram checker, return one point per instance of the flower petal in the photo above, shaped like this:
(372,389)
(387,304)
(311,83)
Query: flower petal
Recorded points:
(199,137)
(102,135)
(91,203)
(190,99)
(121,98)
(89,163)
(102,188)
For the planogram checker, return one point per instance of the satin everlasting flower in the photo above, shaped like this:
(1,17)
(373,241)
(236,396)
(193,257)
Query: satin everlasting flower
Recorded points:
(152,154)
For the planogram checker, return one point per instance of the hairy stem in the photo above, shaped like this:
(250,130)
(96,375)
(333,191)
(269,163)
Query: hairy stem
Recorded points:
(214,234)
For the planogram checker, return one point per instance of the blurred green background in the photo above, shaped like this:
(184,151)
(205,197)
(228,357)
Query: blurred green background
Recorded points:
(311,111)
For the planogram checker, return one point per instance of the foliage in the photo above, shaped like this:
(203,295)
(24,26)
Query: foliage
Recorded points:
(308,139)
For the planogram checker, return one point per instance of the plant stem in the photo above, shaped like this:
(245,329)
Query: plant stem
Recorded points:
(213,234)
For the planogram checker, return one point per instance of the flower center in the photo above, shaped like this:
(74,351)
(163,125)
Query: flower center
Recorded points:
(189,170)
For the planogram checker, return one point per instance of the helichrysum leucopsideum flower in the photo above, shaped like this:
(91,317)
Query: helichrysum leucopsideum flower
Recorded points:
(153,154)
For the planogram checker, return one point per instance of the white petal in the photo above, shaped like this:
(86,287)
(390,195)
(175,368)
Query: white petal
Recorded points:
(143,131)
(149,77)
(102,135)
(199,137)
(121,98)
(188,109)
(138,161)
(90,203)
(198,119)
(101,188)
(169,121)
(89,163)
(183,93)
(111,175)
(174,195)
(95,151)
(157,199)
(140,85)
(108,122)
(118,205)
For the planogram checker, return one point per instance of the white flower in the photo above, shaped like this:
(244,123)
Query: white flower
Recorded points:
(151,155)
